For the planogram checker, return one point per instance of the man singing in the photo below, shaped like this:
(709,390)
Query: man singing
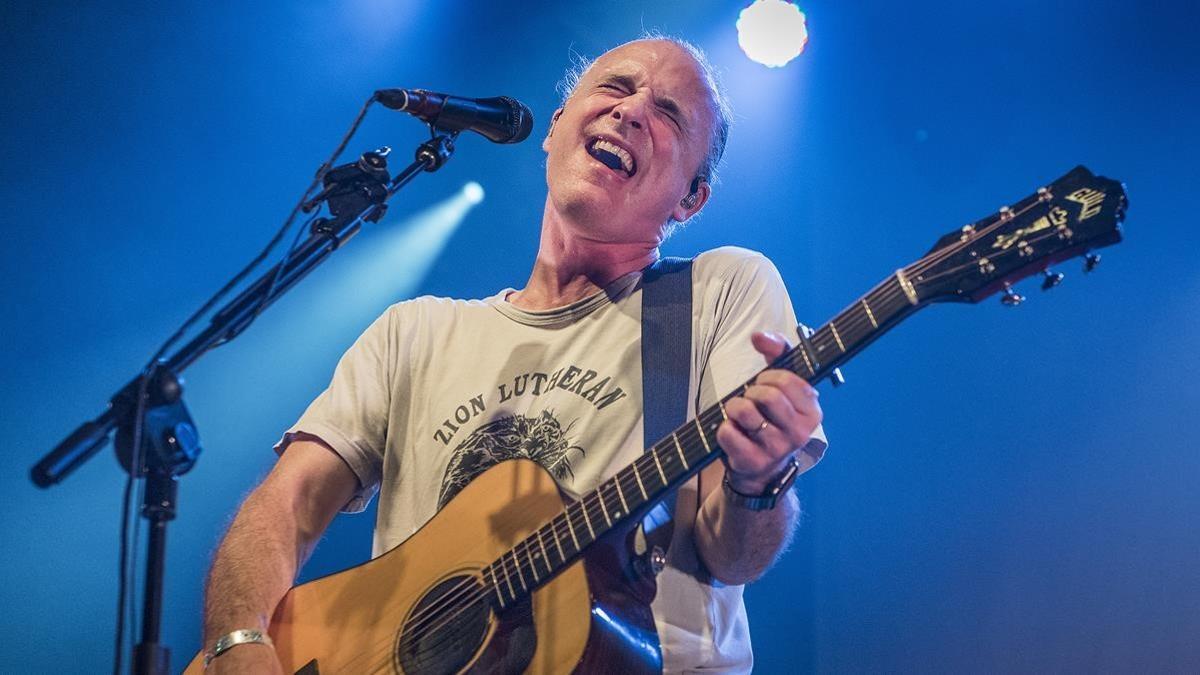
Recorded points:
(438,390)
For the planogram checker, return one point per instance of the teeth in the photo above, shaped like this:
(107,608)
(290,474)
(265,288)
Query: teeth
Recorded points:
(626,158)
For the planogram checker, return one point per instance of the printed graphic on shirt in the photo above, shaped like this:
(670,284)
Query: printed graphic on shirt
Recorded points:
(505,435)
(541,438)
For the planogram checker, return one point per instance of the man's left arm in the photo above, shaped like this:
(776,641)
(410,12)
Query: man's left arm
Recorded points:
(746,321)
(767,426)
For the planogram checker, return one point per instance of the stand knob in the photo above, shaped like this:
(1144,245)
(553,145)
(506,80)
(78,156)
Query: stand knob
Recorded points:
(1011,298)
(1052,279)
(1090,261)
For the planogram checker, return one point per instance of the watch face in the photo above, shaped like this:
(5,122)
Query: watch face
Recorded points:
(788,476)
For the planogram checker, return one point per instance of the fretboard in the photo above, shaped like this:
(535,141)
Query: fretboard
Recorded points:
(676,458)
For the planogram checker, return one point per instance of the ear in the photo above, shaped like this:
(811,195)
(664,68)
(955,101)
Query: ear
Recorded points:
(550,132)
(691,203)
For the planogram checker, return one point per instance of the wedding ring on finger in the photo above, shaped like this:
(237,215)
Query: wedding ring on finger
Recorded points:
(759,429)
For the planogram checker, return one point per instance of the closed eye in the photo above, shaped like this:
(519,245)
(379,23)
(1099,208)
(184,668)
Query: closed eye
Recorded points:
(671,116)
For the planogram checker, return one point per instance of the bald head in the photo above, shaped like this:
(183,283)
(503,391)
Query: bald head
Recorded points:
(721,114)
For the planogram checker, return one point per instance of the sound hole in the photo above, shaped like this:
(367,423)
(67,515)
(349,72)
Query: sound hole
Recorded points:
(445,629)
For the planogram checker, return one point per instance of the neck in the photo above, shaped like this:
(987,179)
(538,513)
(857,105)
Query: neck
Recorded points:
(571,264)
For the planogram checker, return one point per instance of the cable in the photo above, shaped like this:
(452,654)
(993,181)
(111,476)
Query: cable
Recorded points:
(125,573)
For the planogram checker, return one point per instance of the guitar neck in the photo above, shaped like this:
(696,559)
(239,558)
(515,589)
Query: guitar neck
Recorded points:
(1076,213)
(692,446)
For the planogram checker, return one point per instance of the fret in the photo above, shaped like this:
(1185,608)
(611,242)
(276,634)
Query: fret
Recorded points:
(517,564)
(545,556)
(833,329)
(870,314)
(854,327)
(679,449)
(532,562)
(587,521)
(639,479)
(803,349)
(571,529)
(511,593)
(603,508)
(558,544)
(615,509)
(721,405)
(620,492)
(702,438)
(832,342)
(493,585)
(654,454)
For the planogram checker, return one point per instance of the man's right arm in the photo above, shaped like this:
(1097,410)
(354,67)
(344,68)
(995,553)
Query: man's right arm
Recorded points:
(274,532)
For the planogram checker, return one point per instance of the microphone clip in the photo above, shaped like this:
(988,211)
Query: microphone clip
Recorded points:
(436,151)
(351,188)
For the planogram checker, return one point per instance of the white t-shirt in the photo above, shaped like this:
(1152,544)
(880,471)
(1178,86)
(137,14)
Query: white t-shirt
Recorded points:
(438,390)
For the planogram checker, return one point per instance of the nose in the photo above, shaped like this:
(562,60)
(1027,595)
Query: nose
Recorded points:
(631,110)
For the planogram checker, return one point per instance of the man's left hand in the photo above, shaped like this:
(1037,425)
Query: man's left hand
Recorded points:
(774,418)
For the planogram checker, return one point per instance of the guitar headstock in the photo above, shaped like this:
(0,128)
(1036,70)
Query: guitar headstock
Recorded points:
(1068,218)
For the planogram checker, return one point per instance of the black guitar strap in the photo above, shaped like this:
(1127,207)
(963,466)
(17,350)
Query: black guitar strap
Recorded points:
(666,368)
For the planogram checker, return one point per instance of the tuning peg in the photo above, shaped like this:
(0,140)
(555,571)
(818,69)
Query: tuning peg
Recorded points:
(836,377)
(1090,261)
(1052,279)
(1010,297)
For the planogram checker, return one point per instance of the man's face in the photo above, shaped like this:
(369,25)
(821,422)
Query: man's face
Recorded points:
(629,141)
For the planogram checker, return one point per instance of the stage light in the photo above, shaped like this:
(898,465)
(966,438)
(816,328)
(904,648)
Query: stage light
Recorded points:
(772,32)
(473,192)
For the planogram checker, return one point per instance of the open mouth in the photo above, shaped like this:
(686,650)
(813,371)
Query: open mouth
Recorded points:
(613,156)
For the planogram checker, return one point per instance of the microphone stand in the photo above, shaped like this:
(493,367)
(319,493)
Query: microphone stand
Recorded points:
(355,193)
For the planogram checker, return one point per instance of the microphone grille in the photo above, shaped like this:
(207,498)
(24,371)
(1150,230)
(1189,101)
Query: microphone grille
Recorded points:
(520,119)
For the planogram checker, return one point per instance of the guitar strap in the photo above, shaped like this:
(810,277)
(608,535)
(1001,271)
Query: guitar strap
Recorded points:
(666,369)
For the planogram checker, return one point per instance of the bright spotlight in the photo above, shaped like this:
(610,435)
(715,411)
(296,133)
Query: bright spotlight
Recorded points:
(473,192)
(772,32)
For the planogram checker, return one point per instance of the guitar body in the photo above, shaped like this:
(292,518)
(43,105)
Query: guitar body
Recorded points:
(405,610)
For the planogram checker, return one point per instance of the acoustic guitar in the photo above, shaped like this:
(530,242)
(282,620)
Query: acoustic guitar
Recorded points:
(512,577)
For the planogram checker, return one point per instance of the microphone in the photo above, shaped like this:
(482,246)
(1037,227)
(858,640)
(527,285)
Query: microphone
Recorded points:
(499,119)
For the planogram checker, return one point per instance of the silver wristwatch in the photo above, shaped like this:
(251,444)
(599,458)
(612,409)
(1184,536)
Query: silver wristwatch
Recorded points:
(770,496)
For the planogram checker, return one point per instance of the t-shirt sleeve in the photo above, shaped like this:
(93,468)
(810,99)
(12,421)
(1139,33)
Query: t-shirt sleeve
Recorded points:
(351,415)
(745,294)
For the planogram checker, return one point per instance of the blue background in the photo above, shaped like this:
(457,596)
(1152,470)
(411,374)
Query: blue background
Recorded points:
(1008,489)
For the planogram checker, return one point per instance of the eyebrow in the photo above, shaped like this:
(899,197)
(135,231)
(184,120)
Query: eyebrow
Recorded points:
(665,102)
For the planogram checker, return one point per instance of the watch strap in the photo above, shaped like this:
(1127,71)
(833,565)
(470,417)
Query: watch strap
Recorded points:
(770,497)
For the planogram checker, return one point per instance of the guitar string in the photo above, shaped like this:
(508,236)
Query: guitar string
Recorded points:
(478,594)
(473,593)
(1010,251)
(420,624)
(589,505)
(592,507)
(463,591)
(471,598)
(588,509)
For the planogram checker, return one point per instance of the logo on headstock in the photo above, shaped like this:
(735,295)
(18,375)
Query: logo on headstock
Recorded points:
(1091,201)
(1005,241)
